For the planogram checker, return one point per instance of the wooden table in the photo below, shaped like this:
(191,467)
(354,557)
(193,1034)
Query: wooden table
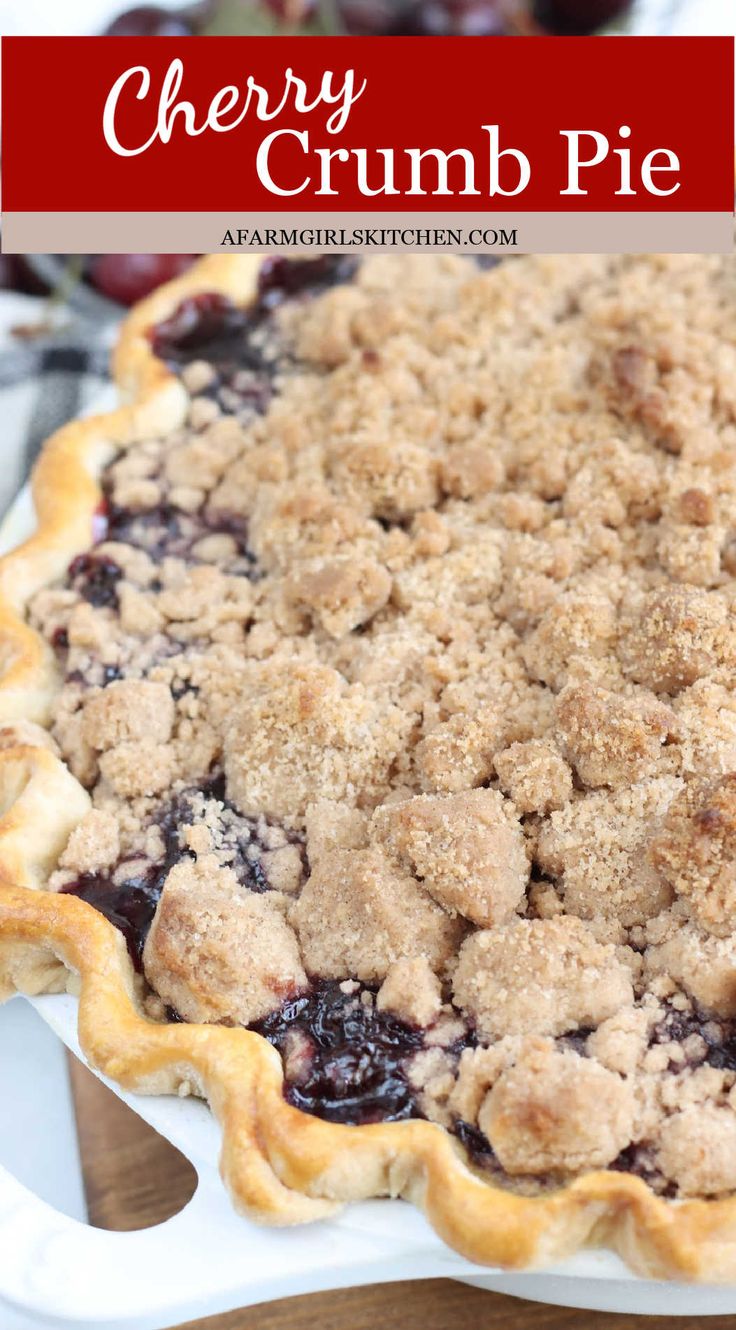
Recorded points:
(133,1179)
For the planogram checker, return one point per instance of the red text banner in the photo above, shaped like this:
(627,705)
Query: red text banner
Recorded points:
(195,144)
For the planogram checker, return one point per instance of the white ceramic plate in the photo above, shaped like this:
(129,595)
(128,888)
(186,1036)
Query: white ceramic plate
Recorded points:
(207,1259)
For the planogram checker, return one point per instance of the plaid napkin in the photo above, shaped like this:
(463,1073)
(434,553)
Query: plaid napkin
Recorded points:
(46,378)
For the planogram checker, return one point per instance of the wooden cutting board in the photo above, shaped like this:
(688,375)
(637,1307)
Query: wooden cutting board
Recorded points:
(134,1179)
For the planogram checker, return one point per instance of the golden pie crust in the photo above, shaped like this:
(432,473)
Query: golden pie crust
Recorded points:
(280,1165)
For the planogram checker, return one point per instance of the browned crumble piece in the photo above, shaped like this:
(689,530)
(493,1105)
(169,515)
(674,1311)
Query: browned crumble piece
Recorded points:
(203,411)
(634,373)
(358,914)
(470,471)
(139,615)
(596,847)
(539,976)
(432,1074)
(706,715)
(202,599)
(535,568)
(677,635)
(620,1041)
(284,868)
(128,710)
(697,1150)
(458,753)
(305,731)
(522,512)
(577,629)
(430,534)
(203,460)
(390,479)
(662,396)
(88,629)
(609,739)
(467,849)
(307,523)
(94,843)
(68,734)
(435,589)
(218,953)
(697,507)
(141,767)
(197,375)
(411,990)
(544,901)
(695,852)
(683,956)
(534,775)
(332,826)
(692,554)
(612,480)
(557,1111)
(478,1070)
(341,592)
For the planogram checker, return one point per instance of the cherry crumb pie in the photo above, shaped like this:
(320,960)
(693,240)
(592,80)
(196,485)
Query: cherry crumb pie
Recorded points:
(369,729)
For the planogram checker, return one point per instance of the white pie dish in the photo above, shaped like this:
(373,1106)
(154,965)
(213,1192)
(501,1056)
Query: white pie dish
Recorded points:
(56,1268)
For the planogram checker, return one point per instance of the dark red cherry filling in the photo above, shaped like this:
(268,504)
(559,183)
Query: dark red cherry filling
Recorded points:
(129,901)
(130,905)
(283,279)
(719,1036)
(210,327)
(167,532)
(204,326)
(639,1160)
(241,344)
(351,1066)
(95,577)
(476,1143)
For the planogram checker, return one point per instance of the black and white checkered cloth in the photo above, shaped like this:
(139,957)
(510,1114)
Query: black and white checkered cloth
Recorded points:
(44,381)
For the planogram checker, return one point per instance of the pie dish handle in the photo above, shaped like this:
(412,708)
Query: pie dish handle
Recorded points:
(59,1268)
(202,1261)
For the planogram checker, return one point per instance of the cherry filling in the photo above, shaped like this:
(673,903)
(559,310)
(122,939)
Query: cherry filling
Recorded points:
(476,1143)
(241,345)
(345,1060)
(639,1160)
(95,578)
(165,531)
(718,1035)
(129,902)
(286,279)
(210,327)
(130,905)
(129,899)
(719,1038)
(245,359)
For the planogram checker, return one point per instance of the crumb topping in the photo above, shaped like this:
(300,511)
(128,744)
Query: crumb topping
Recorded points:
(407,664)
(556,1111)
(539,976)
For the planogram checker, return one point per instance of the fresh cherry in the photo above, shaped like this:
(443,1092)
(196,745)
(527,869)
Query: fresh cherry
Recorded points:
(129,277)
(450,18)
(367,18)
(293,12)
(10,273)
(576,18)
(17,275)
